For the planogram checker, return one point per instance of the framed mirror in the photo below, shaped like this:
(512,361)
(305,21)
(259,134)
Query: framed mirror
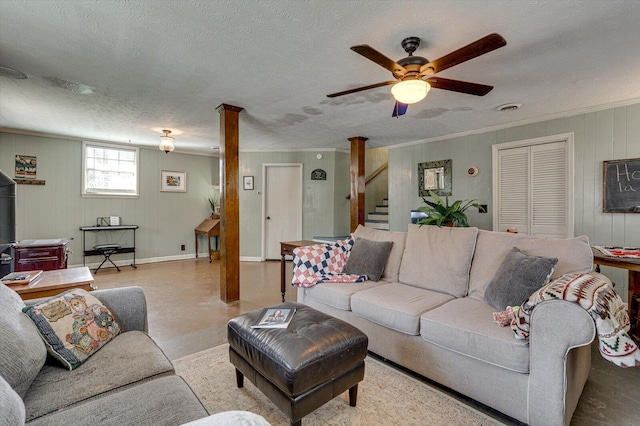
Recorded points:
(434,176)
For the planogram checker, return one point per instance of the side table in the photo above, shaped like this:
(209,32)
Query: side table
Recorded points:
(286,249)
(633,266)
(54,282)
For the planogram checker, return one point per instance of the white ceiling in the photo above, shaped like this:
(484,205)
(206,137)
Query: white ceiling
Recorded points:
(122,71)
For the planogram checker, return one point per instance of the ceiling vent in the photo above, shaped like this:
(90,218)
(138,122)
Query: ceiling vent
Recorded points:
(11,73)
(509,107)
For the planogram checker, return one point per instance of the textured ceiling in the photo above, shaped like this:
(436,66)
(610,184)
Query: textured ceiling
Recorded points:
(122,71)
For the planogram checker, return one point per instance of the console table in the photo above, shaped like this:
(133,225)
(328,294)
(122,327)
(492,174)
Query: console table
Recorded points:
(633,266)
(286,249)
(131,249)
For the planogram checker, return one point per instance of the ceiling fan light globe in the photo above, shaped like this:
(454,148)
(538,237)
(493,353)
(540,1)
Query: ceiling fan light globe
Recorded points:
(410,91)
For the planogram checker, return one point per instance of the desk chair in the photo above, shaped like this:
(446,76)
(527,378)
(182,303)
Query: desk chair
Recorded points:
(107,250)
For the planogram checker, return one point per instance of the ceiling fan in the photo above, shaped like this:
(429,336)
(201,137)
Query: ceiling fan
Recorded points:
(415,75)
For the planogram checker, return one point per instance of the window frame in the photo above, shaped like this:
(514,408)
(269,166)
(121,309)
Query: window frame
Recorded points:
(102,194)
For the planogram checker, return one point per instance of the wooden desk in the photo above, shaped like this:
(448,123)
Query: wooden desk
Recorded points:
(286,249)
(633,266)
(54,282)
(209,228)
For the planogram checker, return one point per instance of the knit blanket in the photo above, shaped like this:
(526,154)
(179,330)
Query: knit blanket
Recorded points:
(603,304)
(323,263)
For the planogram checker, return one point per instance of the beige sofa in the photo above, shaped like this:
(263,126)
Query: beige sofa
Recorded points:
(428,314)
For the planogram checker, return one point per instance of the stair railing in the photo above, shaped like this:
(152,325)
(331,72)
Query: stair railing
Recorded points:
(373,175)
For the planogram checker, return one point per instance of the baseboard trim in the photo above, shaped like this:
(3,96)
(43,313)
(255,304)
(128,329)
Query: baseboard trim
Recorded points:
(127,262)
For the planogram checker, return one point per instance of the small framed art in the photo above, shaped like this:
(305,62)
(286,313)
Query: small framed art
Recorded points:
(173,181)
(247,183)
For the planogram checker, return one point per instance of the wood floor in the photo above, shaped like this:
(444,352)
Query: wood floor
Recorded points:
(187,316)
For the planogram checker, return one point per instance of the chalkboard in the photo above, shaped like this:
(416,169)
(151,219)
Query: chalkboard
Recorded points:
(621,186)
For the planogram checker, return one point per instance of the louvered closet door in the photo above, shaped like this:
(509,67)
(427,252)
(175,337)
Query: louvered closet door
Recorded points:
(549,190)
(534,190)
(513,190)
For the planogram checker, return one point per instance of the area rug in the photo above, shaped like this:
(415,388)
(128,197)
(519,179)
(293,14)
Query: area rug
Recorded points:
(386,396)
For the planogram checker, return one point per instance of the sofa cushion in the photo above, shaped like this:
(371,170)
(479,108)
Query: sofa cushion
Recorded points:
(11,406)
(392,268)
(22,351)
(368,258)
(164,401)
(129,358)
(337,295)
(73,325)
(474,334)
(574,255)
(396,306)
(518,276)
(438,259)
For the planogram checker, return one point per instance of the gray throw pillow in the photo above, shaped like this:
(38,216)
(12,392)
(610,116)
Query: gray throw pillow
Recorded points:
(518,276)
(368,258)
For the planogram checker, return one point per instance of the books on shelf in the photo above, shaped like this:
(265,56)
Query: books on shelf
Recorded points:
(275,318)
(24,277)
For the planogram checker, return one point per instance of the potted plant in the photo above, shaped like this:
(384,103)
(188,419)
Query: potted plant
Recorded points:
(214,203)
(441,213)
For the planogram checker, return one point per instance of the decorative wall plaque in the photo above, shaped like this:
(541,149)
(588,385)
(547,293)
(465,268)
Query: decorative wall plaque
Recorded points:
(318,174)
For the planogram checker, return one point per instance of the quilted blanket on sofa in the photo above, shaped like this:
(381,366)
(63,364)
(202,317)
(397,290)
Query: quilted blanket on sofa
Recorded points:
(603,304)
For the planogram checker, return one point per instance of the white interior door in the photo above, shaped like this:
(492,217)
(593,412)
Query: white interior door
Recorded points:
(282,211)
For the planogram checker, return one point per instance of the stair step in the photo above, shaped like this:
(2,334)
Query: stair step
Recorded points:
(382,209)
(377,224)
(385,201)
(378,216)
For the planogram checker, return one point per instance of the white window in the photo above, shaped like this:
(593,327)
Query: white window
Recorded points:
(109,170)
(533,186)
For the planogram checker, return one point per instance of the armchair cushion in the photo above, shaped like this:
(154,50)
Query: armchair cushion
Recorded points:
(22,352)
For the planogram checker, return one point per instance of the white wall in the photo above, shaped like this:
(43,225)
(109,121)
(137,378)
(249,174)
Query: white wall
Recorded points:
(604,135)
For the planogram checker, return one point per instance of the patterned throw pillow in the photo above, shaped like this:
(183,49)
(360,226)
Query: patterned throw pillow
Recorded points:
(311,263)
(73,325)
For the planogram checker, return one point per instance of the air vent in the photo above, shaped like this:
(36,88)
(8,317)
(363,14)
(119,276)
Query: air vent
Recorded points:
(509,107)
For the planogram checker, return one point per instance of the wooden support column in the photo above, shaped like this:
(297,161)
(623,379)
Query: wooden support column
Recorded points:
(229,203)
(357,181)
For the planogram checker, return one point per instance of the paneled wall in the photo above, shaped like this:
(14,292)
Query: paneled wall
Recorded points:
(57,210)
(604,135)
(325,209)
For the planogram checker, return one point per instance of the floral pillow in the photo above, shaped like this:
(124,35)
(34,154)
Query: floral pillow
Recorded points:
(73,325)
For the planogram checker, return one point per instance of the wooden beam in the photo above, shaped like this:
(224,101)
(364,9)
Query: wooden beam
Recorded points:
(357,181)
(229,203)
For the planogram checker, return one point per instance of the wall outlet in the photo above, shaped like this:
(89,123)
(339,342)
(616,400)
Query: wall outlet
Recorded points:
(182,247)
(483,208)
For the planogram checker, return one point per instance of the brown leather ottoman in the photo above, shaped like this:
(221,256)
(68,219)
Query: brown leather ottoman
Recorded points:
(302,367)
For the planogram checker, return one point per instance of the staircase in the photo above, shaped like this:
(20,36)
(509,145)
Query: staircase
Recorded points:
(380,218)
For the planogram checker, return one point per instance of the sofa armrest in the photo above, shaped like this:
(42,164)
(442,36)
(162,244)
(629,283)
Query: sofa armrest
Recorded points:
(558,369)
(128,305)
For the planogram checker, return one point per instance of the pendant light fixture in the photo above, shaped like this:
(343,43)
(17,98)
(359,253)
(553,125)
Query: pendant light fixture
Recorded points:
(166,142)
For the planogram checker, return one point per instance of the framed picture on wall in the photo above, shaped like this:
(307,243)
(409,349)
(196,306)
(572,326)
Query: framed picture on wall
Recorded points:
(173,181)
(247,183)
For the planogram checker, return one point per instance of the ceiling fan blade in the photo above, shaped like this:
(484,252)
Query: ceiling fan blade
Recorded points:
(399,109)
(380,59)
(360,89)
(470,51)
(459,86)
